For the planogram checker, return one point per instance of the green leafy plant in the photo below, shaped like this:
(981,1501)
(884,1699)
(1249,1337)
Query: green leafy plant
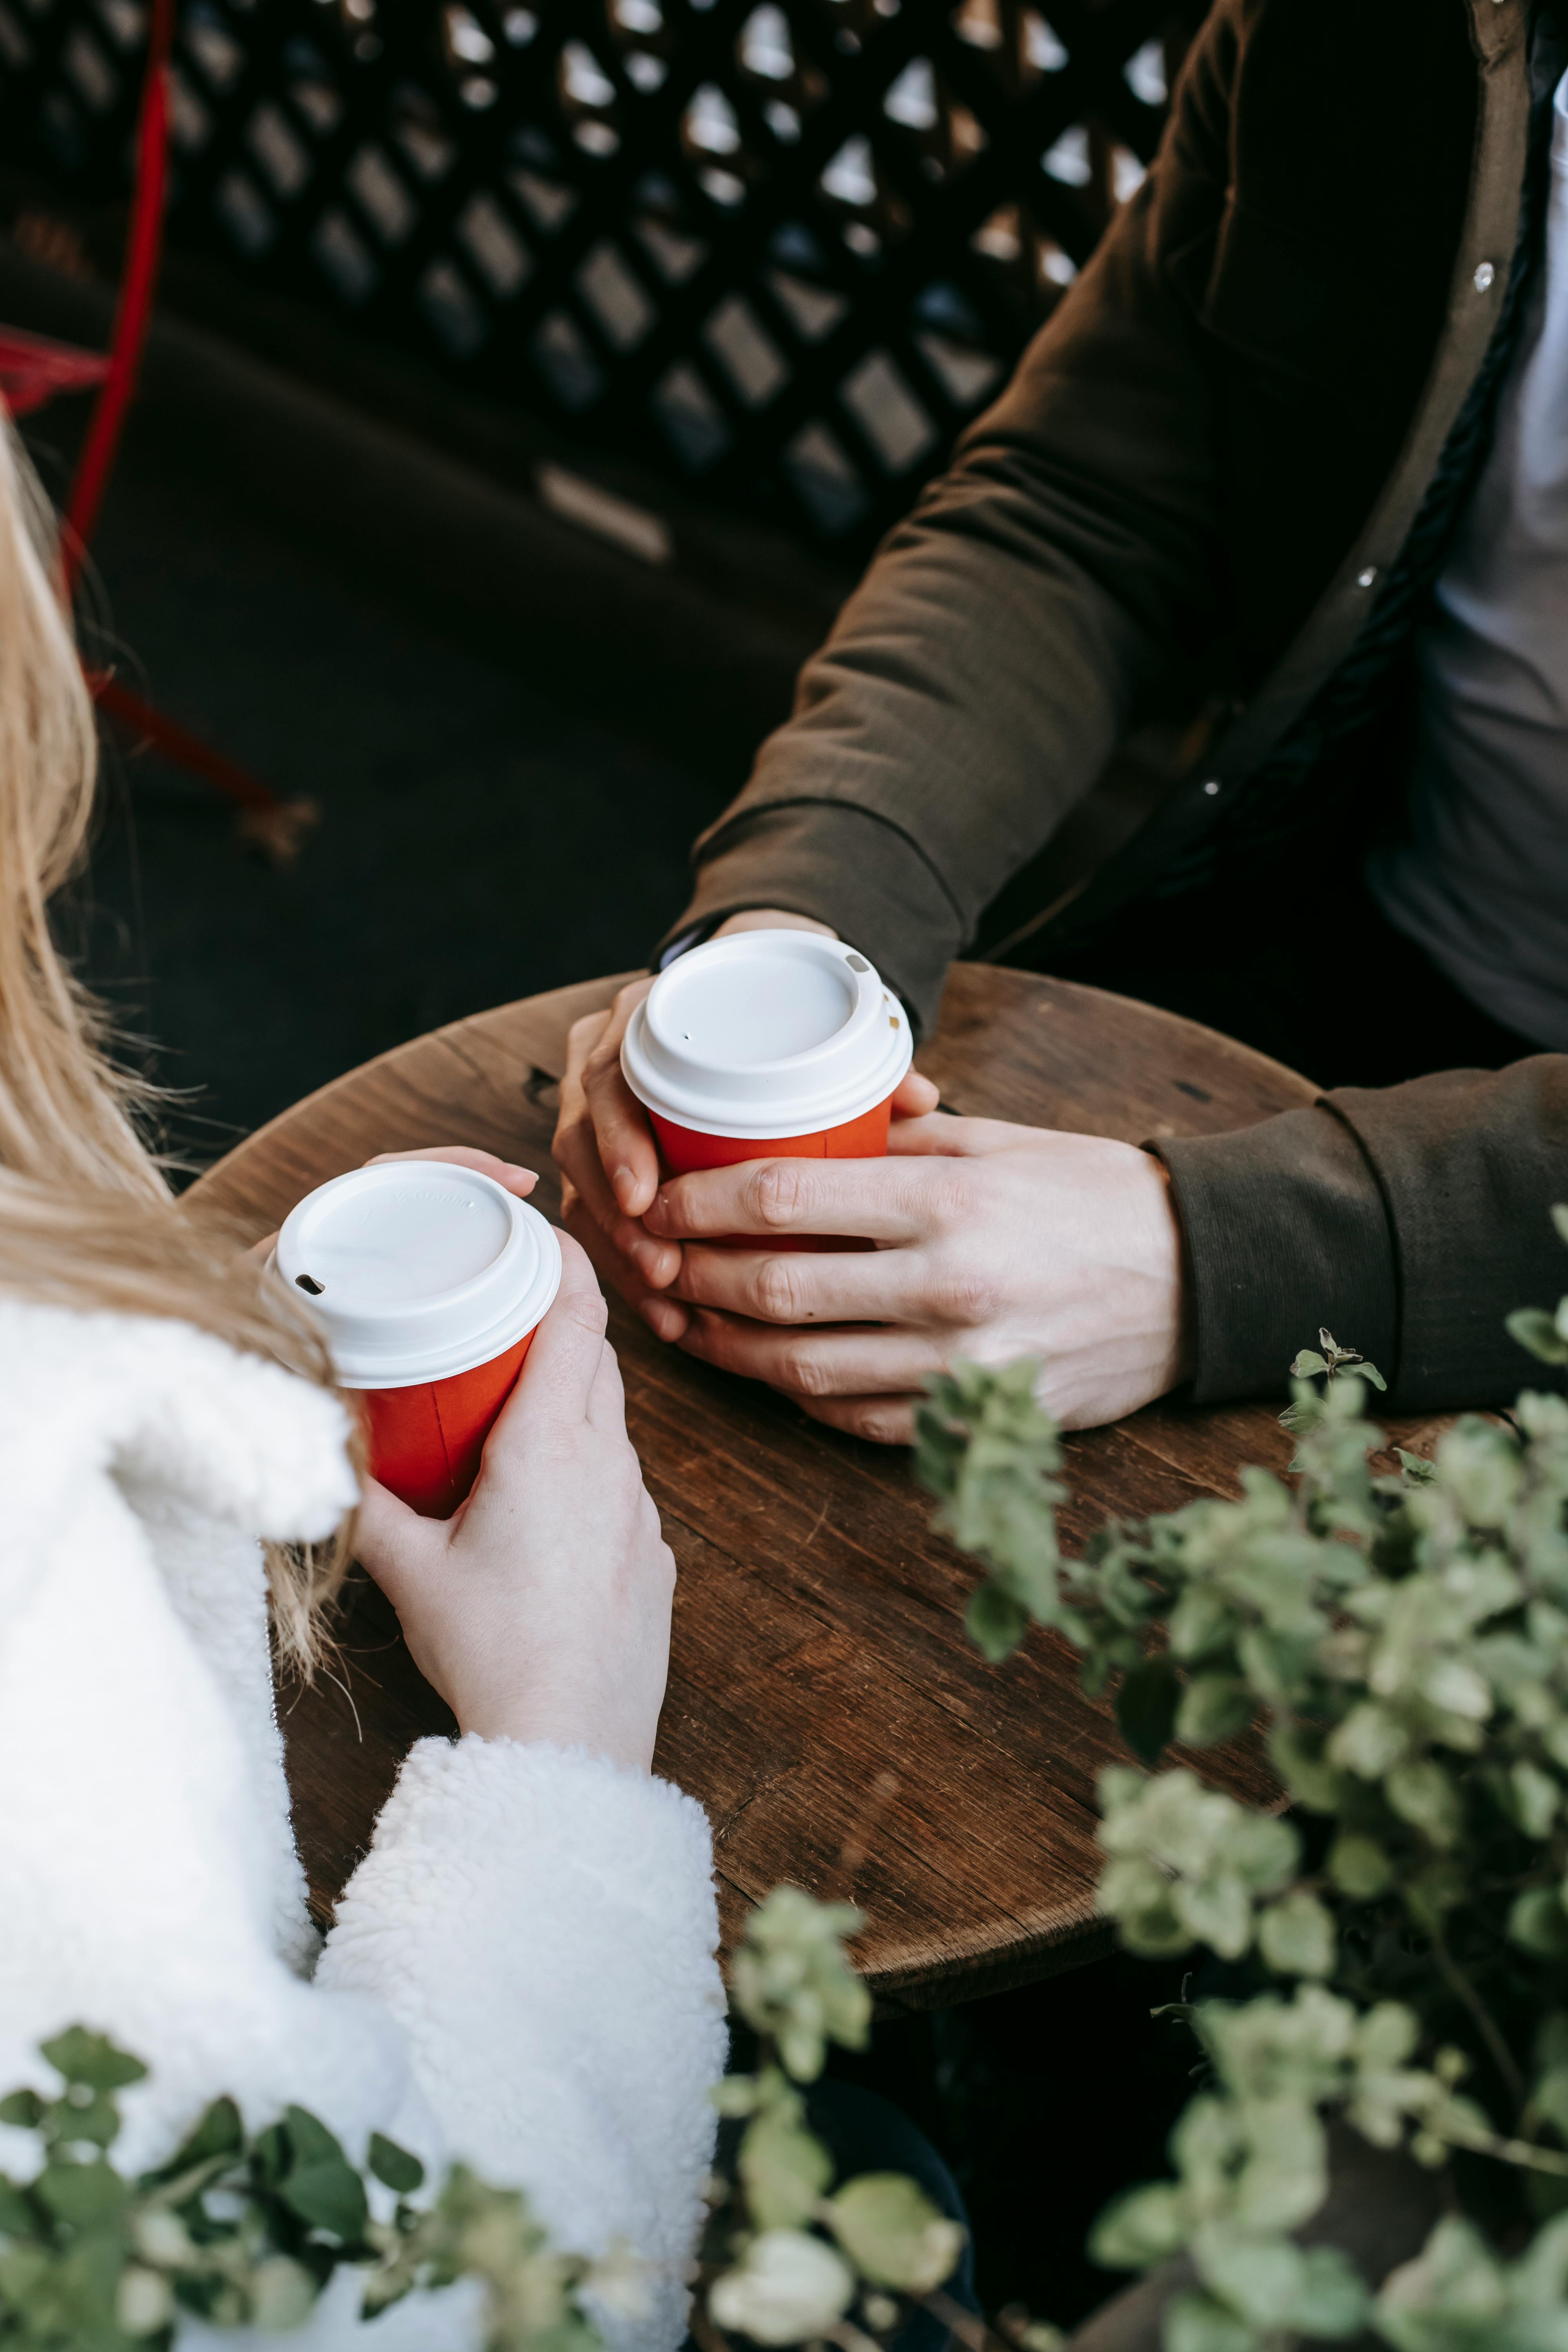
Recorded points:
(788,2258)
(1399,1640)
(247,2231)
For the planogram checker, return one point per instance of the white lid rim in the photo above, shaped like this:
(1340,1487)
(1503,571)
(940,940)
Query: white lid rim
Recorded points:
(700,1120)
(800,1115)
(482,1351)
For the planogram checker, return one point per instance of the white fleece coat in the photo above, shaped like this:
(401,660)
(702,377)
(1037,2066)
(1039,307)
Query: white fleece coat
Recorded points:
(522,1970)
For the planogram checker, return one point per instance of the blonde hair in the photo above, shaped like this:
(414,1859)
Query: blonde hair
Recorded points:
(87,1218)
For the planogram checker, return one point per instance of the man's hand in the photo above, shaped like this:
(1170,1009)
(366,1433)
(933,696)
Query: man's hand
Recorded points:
(605,1148)
(993,1242)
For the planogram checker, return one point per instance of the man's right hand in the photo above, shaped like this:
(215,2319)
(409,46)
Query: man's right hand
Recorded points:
(605,1150)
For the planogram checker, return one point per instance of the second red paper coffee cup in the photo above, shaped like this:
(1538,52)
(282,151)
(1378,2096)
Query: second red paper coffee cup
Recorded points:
(767,1045)
(431,1280)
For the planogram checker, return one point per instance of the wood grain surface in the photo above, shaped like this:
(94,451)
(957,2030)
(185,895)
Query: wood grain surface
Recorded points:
(822,1692)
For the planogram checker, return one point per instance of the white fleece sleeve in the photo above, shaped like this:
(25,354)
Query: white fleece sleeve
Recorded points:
(542,1924)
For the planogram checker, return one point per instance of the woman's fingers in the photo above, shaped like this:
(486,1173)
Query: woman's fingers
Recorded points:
(394,1543)
(561,1367)
(874,1199)
(811,1365)
(516,1180)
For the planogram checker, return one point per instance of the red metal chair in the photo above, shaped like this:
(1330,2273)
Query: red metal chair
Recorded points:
(34,369)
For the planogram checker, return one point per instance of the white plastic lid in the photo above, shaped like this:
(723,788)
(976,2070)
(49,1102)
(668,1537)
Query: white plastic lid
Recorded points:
(765,1033)
(418,1269)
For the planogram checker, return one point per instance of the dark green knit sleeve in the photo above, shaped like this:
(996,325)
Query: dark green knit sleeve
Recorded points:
(1409,1220)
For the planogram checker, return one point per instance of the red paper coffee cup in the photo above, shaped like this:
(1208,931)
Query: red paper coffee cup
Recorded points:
(431,1280)
(764,1045)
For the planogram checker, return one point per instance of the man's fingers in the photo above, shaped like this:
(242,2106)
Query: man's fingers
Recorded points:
(808,1365)
(664,1316)
(506,1172)
(795,1286)
(881,1420)
(593,1086)
(592,1064)
(915,1095)
(576,1153)
(869,1198)
(625,1144)
(394,1543)
(560,1369)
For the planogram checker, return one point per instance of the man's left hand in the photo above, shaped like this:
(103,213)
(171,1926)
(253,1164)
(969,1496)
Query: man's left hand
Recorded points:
(992,1242)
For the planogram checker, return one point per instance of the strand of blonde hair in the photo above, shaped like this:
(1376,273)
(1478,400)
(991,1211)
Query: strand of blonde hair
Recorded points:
(86,1218)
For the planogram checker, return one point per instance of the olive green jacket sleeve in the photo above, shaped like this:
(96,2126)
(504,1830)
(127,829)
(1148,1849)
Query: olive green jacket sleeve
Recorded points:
(1407,1219)
(1012,630)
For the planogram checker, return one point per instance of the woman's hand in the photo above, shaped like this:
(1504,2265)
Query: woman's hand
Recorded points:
(605,1149)
(993,1242)
(540,1609)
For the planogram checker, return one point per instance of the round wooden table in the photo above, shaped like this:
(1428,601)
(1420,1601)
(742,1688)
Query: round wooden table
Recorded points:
(824,1703)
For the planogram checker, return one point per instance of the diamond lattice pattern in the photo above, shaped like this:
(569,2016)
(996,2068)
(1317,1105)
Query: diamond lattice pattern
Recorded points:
(784,250)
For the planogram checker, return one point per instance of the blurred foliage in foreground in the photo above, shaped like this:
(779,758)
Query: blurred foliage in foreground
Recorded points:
(1400,1639)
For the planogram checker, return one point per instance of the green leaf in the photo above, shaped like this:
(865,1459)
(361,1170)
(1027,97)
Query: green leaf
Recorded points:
(394,2166)
(894,2234)
(145,2303)
(218,2132)
(1146,1706)
(784,2168)
(23,2109)
(82,2195)
(1197,2323)
(92,2059)
(282,2293)
(1333,2301)
(1296,1936)
(1214,1708)
(320,2185)
(1360,1867)
(995,1622)
(1560,1218)
(1418,1471)
(1537,1923)
(1535,1330)
(1307,1365)
(94,2120)
(789,2287)
(270,2155)
(1138,2229)
(17,2218)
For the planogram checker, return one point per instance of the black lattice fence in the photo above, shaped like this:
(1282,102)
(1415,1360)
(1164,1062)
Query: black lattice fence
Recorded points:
(782,250)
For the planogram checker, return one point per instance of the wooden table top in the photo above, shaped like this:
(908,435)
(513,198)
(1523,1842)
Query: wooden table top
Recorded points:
(822,1692)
